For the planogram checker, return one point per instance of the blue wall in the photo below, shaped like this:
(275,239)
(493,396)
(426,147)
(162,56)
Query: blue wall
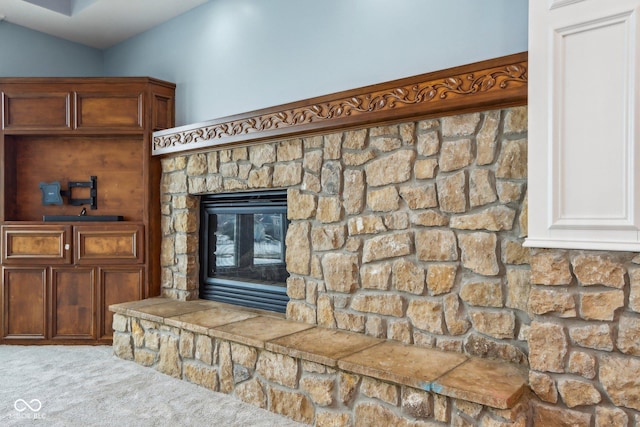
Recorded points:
(233,56)
(28,53)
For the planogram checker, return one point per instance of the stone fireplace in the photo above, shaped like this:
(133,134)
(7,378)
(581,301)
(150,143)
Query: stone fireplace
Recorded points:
(412,231)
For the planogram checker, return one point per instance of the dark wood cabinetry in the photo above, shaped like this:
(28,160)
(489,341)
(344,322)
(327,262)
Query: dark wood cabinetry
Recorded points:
(58,278)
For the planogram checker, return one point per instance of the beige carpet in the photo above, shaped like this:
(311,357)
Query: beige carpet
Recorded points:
(88,386)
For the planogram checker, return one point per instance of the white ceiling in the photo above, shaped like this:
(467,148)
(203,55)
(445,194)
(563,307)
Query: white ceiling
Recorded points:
(95,23)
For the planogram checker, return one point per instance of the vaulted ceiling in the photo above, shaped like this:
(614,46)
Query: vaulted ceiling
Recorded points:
(96,23)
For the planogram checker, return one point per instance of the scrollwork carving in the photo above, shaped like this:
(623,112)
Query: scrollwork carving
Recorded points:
(442,90)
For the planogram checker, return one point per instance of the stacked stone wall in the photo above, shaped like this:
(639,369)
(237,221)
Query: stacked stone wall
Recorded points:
(414,232)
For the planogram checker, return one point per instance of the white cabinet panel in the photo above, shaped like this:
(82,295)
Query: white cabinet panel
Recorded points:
(583,125)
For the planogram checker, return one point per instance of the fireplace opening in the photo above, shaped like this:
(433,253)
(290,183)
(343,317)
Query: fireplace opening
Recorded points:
(242,249)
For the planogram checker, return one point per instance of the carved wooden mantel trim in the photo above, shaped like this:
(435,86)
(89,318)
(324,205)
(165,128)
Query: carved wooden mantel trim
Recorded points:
(496,83)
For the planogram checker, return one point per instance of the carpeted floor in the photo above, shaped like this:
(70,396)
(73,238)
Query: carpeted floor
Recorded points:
(72,386)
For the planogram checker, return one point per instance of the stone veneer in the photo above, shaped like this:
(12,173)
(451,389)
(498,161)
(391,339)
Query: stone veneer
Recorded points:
(414,233)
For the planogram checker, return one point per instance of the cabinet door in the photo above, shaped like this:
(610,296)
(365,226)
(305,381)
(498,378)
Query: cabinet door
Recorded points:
(117,285)
(24,302)
(109,110)
(36,244)
(109,244)
(36,111)
(73,303)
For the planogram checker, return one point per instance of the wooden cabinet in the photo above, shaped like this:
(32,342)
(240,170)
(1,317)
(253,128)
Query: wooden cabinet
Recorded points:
(59,278)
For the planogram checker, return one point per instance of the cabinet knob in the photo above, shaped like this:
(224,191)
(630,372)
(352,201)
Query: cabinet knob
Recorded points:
(66,246)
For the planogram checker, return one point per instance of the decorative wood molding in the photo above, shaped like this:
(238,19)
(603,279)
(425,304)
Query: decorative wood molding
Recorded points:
(496,83)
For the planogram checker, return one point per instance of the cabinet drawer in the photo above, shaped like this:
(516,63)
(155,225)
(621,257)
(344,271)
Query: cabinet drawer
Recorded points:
(34,111)
(36,244)
(112,244)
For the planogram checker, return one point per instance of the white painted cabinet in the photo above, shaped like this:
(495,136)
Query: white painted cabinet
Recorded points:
(584,124)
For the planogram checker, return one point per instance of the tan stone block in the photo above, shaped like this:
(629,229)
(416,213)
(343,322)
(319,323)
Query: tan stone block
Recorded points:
(185,222)
(367,224)
(596,336)
(252,392)
(620,378)
(543,386)
(205,376)
(329,209)
(204,349)
(197,164)
(289,150)
(373,414)
(392,169)
(547,347)
(354,192)
(380,390)
(417,403)
(478,253)
(229,170)
(428,144)
(300,205)
(487,138)
(455,155)
(331,177)
(312,292)
(240,153)
(319,389)
(385,144)
(419,197)
(349,321)
(261,178)
(456,319)
(482,346)
(312,142)
(544,415)
(298,254)
(600,305)
(429,219)
(629,335)
(496,324)
(515,120)
(482,293)
(214,184)
(296,287)
(481,188)
(426,315)
(509,191)
(610,416)
(469,408)
(294,405)
(301,312)
(123,345)
(550,268)
(441,408)
(383,200)
(396,221)
(333,419)
(425,168)
(287,174)
(278,368)
(348,387)
(324,238)
(355,139)
(387,246)
(226,379)
(441,278)
(375,276)
(340,272)
(452,190)
(358,158)
(244,169)
(436,245)
(399,330)
(383,130)
(168,357)
(460,125)
(233,184)
(312,367)
(316,266)
(514,253)
(375,327)
(324,313)
(512,161)
(408,133)
(543,301)
(634,293)
(387,304)
(598,270)
(312,161)
(197,185)
(120,323)
(225,156)
(261,154)
(145,357)
(497,218)
(408,277)
(583,364)
(244,355)
(332,145)
(578,393)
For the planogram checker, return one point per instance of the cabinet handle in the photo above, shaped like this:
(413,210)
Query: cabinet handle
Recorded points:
(66,246)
